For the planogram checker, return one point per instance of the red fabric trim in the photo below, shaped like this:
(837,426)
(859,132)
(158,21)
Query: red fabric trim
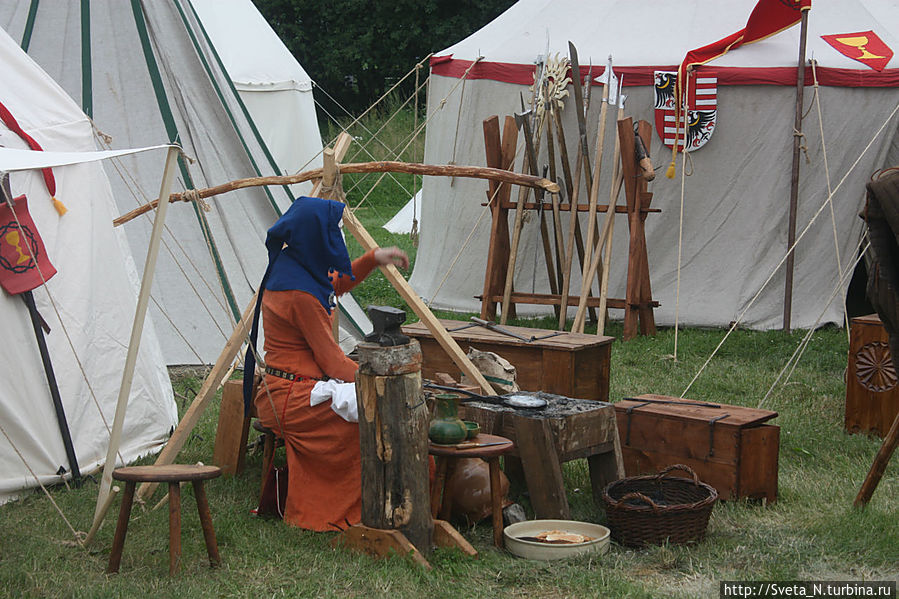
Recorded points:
(520,74)
(10,121)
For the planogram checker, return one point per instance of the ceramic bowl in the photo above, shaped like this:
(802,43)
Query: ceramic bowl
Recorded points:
(548,551)
(473,429)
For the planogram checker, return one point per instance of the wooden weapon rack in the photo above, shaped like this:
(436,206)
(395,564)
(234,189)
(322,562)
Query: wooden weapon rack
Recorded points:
(638,303)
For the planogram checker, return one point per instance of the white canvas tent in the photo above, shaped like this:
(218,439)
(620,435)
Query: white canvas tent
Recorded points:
(89,304)
(146,73)
(272,84)
(277,92)
(737,198)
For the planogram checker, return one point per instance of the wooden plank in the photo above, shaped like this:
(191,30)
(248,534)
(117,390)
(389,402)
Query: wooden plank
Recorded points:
(565,207)
(757,474)
(738,416)
(378,542)
(484,335)
(393,275)
(647,318)
(542,467)
(498,250)
(678,437)
(447,536)
(544,299)
(230,449)
(592,366)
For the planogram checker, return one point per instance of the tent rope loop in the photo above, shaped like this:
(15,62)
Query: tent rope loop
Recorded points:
(802,145)
(192,195)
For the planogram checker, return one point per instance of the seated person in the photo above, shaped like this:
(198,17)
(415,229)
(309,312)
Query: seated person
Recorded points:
(297,299)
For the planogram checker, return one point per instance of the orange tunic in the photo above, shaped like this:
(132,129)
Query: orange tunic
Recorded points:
(324,471)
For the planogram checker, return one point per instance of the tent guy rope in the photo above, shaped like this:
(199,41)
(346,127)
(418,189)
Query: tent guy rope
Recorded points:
(792,247)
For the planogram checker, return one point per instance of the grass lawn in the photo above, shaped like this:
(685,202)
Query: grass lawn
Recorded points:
(811,532)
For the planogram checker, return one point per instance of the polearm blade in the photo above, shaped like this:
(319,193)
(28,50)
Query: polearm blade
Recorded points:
(581,113)
(37,324)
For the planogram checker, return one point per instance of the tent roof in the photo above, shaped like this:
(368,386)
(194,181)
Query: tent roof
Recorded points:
(253,54)
(656,34)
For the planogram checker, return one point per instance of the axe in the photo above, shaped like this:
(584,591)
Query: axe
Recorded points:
(643,156)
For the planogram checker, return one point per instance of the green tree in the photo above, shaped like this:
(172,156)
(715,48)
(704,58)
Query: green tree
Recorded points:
(356,49)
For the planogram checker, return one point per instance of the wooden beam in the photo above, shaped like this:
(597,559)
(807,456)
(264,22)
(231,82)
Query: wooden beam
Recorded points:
(449,345)
(472,172)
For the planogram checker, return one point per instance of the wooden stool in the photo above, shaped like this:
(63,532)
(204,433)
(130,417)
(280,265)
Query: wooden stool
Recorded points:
(270,441)
(172,474)
(491,455)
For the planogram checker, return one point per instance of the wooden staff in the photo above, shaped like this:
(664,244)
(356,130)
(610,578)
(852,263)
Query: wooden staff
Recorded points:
(574,228)
(609,226)
(557,216)
(513,251)
(586,283)
(384,166)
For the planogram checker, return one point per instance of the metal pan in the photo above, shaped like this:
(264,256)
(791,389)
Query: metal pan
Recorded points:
(520,401)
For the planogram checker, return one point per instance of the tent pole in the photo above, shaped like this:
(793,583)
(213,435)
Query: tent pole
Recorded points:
(136,332)
(794,177)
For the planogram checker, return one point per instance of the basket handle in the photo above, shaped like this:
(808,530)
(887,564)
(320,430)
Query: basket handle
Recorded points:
(641,497)
(665,471)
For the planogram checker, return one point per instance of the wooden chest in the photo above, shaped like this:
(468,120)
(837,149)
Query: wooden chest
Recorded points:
(872,395)
(729,447)
(568,364)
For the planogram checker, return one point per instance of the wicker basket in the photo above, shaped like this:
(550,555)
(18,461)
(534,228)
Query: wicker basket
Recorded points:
(658,509)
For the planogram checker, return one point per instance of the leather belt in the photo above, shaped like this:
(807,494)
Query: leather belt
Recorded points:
(291,376)
(282,374)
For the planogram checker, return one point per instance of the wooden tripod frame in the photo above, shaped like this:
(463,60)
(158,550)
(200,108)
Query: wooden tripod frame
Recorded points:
(638,303)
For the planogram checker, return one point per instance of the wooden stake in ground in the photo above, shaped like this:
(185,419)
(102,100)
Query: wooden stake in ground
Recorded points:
(880,464)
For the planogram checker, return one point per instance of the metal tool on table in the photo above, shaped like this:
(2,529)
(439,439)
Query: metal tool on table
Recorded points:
(475,321)
(699,404)
(513,400)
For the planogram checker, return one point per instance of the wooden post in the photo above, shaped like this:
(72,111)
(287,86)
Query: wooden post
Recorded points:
(794,176)
(137,329)
(393,436)
(500,154)
(880,463)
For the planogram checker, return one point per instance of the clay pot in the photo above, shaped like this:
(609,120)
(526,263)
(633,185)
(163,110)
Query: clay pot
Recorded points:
(446,427)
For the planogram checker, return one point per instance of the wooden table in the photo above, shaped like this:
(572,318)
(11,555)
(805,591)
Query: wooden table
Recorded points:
(567,364)
(566,429)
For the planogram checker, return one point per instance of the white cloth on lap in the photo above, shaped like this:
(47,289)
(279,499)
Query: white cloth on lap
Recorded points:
(342,396)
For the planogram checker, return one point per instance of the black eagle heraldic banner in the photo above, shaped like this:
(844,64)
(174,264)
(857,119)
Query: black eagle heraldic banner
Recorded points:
(24,264)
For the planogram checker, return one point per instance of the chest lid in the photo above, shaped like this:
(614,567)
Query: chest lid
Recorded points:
(691,410)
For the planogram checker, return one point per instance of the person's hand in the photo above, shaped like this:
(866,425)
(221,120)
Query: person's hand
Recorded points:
(392,255)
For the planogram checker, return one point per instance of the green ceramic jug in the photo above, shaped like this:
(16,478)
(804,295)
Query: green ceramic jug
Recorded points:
(446,427)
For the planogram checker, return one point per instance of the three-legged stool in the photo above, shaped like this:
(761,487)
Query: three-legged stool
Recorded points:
(490,454)
(172,474)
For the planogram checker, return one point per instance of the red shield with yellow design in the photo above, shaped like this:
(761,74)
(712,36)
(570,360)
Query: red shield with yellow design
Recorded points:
(23,260)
